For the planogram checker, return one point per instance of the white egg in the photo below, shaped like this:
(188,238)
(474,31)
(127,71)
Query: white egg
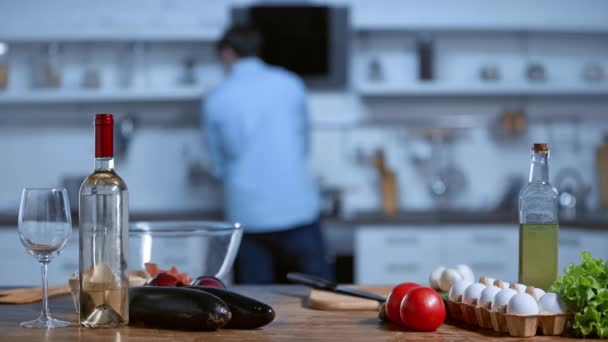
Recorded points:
(520,287)
(487,295)
(458,289)
(538,293)
(448,277)
(502,298)
(551,303)
(435,277)
(522,304)
(491,280)
(466,272)
(473,292)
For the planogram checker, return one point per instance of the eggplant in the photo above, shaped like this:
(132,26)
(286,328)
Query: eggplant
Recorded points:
(176,308)
(247,313)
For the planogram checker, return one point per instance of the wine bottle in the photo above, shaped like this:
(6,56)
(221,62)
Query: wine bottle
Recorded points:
(538,224)
(104,225)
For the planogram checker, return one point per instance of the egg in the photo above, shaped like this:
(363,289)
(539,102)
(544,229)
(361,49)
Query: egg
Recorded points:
(538,293)
(435,277)
(487,295)
(520,287)
(457,290)
(522,304)
(466,272)
(551,303)
(502,298)
(490,280)
(448,277)
(472,293)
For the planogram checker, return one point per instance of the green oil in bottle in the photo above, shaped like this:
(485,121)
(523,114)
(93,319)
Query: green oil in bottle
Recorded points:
(538,250)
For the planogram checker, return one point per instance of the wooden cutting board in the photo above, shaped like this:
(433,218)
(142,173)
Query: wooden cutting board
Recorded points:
(30,295)
(325,300)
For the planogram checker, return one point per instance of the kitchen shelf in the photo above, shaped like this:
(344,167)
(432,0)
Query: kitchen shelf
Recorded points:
(481,89)
(95,96)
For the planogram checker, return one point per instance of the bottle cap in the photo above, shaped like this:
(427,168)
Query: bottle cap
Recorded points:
(104,136)
(540,148)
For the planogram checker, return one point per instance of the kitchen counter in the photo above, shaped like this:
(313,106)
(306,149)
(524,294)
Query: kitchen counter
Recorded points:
(293,322)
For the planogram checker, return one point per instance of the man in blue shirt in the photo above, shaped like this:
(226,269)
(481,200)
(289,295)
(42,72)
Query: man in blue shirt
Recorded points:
(257,131)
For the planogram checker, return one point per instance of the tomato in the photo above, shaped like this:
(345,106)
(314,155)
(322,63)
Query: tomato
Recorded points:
(393,302)
(422,310)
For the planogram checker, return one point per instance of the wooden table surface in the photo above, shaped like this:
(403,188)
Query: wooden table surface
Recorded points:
(293,322)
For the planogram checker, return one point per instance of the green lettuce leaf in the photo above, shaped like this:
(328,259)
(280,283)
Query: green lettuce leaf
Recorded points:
(584,288)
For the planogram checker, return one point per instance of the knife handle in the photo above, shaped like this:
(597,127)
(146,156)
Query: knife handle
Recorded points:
(310,280)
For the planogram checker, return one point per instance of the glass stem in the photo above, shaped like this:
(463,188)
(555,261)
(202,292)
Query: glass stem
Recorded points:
(44,314)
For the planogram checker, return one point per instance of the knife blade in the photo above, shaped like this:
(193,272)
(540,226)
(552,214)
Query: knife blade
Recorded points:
(324,284)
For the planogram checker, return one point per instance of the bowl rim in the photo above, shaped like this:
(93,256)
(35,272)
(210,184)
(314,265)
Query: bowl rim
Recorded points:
(189,226)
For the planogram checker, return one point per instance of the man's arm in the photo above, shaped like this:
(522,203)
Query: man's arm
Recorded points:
(212,135)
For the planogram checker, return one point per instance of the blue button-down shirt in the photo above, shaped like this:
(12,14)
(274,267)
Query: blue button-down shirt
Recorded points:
(257,131)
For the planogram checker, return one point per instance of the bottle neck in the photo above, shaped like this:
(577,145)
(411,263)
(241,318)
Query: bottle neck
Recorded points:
(539,168)
(104,164)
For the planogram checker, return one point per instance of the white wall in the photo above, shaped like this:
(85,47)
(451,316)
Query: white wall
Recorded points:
(39,154)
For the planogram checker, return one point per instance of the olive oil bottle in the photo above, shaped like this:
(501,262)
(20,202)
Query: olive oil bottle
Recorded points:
(538,224)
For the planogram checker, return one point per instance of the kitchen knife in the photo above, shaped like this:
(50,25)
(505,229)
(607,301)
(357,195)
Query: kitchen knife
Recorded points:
(323,284)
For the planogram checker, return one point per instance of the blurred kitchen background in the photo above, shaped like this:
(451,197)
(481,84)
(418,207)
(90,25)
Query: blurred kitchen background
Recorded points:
(422,121)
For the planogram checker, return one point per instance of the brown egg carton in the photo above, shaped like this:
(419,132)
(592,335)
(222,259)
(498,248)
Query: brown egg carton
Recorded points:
(514,325)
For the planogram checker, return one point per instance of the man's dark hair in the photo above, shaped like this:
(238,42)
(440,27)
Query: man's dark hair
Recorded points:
(244,40)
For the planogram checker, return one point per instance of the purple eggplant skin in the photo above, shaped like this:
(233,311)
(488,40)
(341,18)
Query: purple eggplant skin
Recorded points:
(247,313)
(177,308)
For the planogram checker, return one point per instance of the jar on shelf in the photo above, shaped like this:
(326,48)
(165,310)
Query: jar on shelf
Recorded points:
(4,65)
(46,67)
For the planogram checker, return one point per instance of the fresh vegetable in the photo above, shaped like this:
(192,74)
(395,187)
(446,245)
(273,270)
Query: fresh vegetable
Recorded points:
(584,288)
(382,312)
(208,281)
(247,313)
(422,309)
(152,270)
(164,279)
(176,308)
(394,299)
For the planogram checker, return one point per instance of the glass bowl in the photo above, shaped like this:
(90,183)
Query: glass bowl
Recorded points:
(194,247)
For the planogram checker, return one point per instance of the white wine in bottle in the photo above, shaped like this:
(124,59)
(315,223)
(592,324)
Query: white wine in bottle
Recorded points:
(104,225)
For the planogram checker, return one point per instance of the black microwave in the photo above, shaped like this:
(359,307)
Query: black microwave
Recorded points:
(309,40)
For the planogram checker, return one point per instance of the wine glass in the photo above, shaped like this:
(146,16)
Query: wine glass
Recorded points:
(45,225)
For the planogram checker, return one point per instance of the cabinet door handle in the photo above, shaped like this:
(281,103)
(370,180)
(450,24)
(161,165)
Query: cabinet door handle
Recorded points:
(401,268)
(401,240)
(487,267)
(489,240)
(570,241)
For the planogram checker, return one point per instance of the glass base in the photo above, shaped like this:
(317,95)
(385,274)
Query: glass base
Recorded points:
(45,323)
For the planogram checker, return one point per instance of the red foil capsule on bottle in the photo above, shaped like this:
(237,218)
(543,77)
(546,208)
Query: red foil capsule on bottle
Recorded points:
(104,136)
